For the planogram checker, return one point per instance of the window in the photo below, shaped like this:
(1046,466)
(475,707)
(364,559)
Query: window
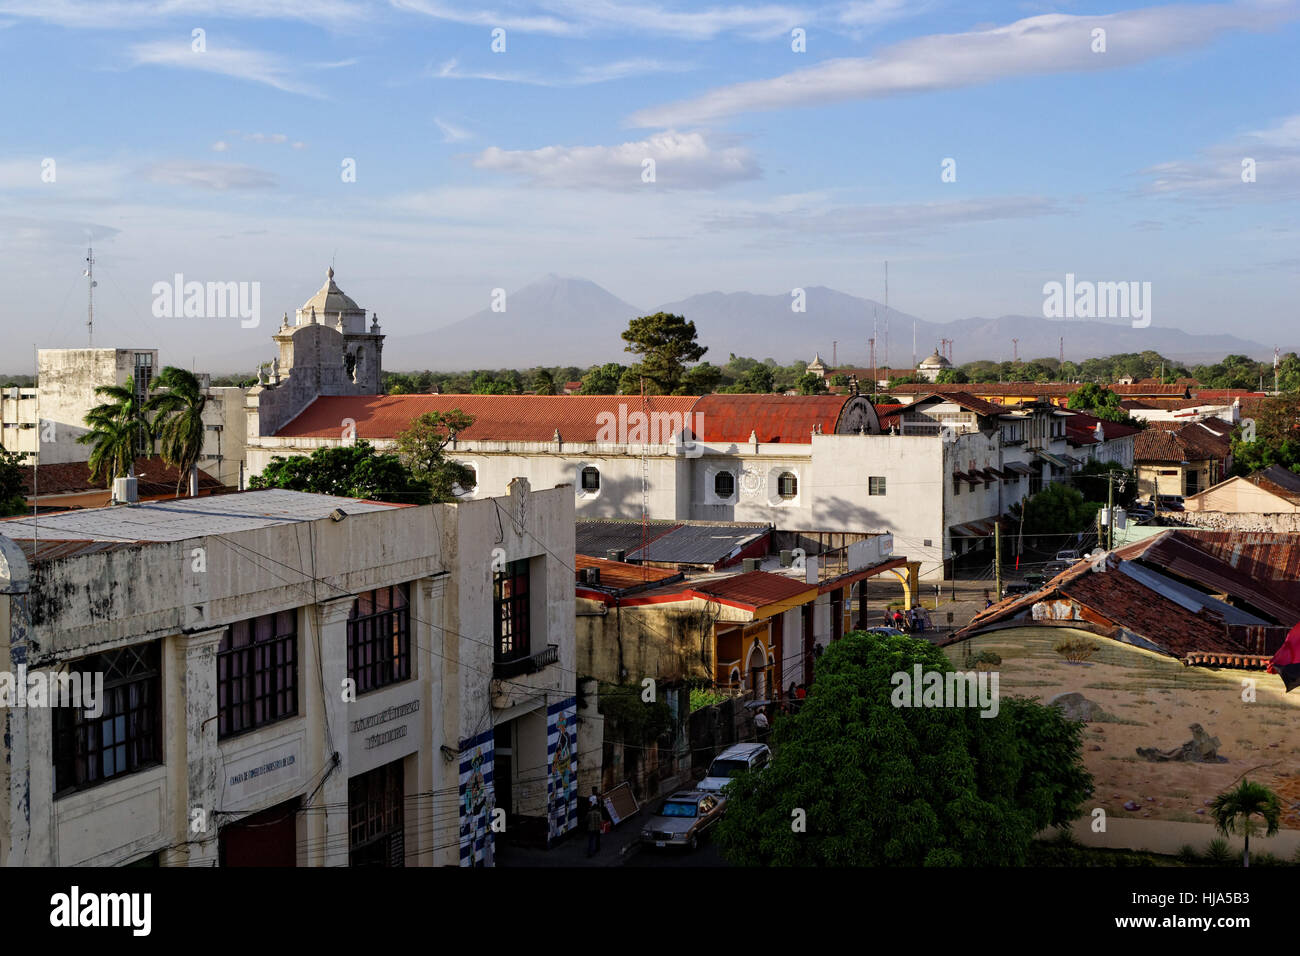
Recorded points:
(590,479)
(379,638)
(787,486)
(956,485)
(257,673)
(376,823)
(125,737)
(511,618)
(143,377)
(724,484)
(875,486)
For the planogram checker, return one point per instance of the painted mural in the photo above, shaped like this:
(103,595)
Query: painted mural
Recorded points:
(477,800)
(562,760)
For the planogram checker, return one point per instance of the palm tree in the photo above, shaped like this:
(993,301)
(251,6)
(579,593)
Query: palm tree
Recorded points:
(1233,810)
(119,429)
(178,420)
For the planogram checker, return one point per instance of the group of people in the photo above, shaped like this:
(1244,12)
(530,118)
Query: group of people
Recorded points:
(910,620)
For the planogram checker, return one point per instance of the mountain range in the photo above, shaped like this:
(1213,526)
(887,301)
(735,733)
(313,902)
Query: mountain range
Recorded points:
(560,320)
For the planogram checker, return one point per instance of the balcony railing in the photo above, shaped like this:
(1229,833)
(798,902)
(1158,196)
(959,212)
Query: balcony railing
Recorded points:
(529,664)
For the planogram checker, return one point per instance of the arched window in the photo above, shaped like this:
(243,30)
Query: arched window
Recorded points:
(787,486)
(590,479)
(724,484)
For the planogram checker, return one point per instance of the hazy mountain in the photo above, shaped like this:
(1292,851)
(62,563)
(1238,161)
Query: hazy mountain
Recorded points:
(556,320)
(570,321)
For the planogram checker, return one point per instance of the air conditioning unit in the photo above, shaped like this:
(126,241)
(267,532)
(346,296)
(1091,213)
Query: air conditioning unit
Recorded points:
(591,576)
(787,558)
(752,564)
(616,554)
(126,490)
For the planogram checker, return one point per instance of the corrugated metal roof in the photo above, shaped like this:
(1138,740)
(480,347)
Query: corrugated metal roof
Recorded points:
(596,536)
(756,589)
(181,518)
(619,575)
(533,418)
(698,544)
(772,418)
(47,550)
(1188,597)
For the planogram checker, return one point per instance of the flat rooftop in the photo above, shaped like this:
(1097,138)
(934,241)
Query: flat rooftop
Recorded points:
(182,518)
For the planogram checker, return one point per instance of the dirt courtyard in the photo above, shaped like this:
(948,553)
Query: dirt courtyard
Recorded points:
(1149,700)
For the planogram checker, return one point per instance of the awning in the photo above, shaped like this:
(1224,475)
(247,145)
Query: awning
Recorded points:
(961,476)
(998,473)
(1018,468)
(1052,459)
(1072,460)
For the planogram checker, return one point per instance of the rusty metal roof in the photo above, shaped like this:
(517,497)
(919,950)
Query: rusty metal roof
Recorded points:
(531,418)
(154,477)
(771,418)
(755,589)
(619,575)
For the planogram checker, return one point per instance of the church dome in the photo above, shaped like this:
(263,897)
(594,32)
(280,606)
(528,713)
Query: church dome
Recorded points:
(935,361)
(330,300)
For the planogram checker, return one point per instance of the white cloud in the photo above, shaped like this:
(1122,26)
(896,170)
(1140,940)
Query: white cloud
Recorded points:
(220,146)
(245,64)
(581,17)
(681,161)
(450,133)
(584,76)
(217,176)
(1053,43)
(266,137)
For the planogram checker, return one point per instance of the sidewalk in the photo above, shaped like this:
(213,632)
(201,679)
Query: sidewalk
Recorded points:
(616,847)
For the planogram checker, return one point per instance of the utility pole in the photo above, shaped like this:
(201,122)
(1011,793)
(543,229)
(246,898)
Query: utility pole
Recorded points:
(835,355)
(90,295)
(1110,509)
(997,556)
(1015,350)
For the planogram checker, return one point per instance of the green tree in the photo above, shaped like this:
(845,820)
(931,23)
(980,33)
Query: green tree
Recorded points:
(700,380)
(13,497)
(349,471)
(119,430)
(951,376)
(178,420)
(1058,509)
(422,445)
(810,383)
(1234,810)
(602,380)
(543,383)
(883,785)
(667,342)
(1098,401)
(758,379)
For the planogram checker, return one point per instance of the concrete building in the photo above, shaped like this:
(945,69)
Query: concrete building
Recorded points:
(46,420)
(290,679)
(1182,459)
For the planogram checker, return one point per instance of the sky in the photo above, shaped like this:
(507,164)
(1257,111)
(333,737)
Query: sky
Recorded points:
(437,150)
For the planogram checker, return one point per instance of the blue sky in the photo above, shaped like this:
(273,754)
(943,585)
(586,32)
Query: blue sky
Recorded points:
(774,169)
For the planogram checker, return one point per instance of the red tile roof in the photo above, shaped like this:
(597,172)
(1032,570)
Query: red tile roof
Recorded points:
(966,400)
(533,418)
(773,418)
(1183,442)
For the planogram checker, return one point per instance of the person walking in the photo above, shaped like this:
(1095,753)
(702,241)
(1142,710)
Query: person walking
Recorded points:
(760,722)
(594,821)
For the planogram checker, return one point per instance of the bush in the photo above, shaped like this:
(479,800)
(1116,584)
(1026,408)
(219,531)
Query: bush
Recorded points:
(1218,853)
(1187,854)
(1076,649)
(702,697)
(984,661)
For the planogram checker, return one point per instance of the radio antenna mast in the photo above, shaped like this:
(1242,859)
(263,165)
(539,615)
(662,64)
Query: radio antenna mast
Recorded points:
(90,295)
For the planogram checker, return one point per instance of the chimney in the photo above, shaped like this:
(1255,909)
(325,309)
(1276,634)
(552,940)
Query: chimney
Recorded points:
(1098,432)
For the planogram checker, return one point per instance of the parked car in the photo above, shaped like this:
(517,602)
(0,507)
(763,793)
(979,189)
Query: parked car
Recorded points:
(1017,588)
(1035,580)
(735,759)
(683,819)
(1167,502)
(1068,555)
(885,629)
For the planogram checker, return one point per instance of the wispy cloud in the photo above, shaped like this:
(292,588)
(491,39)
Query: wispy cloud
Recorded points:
(1259,165)
(133,14)
(681,161)
(450,133)
(884,219)
(583,76)
(256,66)
(583,17)
(1053,43)
(214,176)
